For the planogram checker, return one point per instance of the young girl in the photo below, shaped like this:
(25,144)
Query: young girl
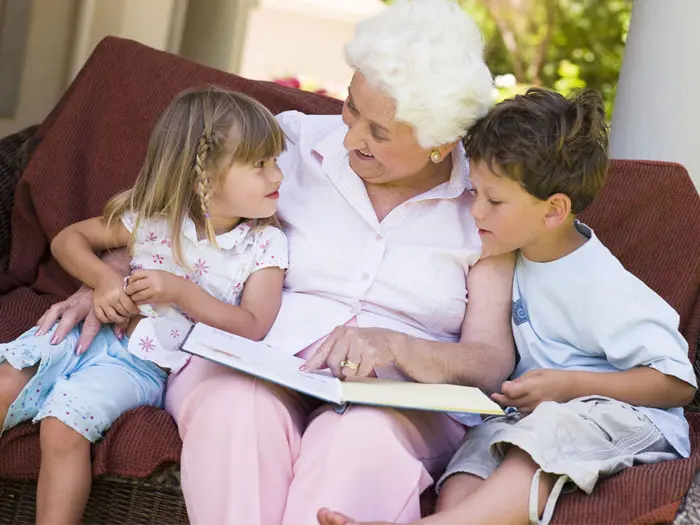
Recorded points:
(199,223)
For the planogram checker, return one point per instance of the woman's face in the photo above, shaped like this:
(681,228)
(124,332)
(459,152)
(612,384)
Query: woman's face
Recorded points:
(382,150)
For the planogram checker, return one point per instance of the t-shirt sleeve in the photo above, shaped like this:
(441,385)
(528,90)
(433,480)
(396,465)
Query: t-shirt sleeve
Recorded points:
(129,220)
(645,333)
(271,249)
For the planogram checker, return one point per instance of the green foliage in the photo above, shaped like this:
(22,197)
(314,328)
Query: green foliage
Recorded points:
(578,43)
(561,44)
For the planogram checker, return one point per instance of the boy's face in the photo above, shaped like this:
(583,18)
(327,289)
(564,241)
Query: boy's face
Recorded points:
(508,217)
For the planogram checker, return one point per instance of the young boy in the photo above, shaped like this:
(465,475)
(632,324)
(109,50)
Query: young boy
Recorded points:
(602,371)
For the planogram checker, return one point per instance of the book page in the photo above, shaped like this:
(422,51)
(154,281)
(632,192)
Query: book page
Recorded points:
(419,396)
(260,360)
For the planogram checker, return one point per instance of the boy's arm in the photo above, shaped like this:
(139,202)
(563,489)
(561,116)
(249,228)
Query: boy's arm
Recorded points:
(640,386)
(643,342)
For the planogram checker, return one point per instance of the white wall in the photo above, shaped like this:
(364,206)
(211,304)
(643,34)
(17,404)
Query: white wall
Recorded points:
(63,34)
(48,52)
(214,32)
(156,23)
(657,108)
(303,37)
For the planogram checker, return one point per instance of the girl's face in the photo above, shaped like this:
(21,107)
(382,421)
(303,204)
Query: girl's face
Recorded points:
(247,190)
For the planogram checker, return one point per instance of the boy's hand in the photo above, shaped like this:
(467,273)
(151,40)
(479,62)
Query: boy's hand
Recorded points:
(154,287)
(536,386)
(111,303)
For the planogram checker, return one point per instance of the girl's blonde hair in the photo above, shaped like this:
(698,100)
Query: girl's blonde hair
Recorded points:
(196,139)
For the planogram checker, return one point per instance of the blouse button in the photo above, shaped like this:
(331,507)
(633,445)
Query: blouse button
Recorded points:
(365,276)
(378,237)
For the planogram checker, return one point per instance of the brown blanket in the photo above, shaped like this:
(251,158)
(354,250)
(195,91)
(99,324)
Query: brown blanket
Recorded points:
(92,146)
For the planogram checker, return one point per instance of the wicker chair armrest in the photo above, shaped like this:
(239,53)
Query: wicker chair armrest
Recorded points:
(15,152)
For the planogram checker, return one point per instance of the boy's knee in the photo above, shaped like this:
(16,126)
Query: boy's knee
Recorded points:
(456,489)
(58,439)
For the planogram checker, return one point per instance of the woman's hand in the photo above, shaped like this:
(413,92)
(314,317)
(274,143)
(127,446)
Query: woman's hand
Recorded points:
(154,287)
(352,351)
(79,308)
(535,387)
(110,301)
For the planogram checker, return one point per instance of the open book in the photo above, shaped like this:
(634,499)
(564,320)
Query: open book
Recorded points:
(279,367)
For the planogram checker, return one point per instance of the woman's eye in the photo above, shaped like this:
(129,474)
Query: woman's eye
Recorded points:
(377,136)
(494,203)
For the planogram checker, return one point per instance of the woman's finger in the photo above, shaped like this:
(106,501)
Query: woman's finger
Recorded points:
(87,332)
(355,355)
(320,357)
(337,355)
(50,317)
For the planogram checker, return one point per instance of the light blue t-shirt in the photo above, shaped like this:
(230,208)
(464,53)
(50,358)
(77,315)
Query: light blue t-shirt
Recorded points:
(586,312)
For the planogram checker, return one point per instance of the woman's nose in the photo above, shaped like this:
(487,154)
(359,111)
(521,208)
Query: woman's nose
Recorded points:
(354,137)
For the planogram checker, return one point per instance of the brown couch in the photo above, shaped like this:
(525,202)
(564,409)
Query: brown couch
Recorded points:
(91,146)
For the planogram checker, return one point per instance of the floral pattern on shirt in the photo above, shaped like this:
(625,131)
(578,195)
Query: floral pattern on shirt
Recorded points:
(222,272)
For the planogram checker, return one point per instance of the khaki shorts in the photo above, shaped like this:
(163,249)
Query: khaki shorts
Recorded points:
(583,440)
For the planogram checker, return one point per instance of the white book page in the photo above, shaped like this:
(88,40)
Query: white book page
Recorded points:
(260,360)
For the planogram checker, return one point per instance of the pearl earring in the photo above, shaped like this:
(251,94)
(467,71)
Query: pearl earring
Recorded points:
(435,156)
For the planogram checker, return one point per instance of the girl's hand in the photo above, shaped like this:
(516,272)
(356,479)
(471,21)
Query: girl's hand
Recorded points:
(111,303)
(155,287)
(353,351)
(535,387)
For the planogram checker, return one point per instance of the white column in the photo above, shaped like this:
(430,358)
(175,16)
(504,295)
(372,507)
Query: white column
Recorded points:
(156,23)
(657,107)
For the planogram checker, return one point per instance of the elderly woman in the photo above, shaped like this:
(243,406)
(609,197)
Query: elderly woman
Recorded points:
(383,251)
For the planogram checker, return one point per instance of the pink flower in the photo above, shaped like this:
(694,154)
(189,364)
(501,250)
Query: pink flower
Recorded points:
(151,237)
(146,344)
(158,258)
(289,82)
(201,267)
(174,333)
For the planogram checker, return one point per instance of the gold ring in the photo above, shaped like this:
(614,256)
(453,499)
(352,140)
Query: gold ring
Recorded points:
(349,364)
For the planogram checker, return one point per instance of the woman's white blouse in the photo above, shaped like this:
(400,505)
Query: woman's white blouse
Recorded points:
(406,273)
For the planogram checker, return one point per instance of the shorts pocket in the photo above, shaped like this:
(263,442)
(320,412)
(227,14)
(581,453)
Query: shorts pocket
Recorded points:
(622,424)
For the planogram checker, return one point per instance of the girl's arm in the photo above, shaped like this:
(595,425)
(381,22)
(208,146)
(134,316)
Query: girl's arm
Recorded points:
(75,249)
(260,302)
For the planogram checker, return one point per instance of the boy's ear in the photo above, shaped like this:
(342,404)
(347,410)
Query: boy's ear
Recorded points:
(558,210)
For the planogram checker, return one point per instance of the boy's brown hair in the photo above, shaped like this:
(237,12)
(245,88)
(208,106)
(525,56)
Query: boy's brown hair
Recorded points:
(548,143)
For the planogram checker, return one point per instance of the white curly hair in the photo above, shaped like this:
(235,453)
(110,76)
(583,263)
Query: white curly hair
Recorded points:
(428,56)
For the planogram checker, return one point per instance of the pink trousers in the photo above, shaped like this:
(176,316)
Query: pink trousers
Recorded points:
(255,453)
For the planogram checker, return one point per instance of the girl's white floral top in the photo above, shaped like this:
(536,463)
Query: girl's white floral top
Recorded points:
(221,271)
